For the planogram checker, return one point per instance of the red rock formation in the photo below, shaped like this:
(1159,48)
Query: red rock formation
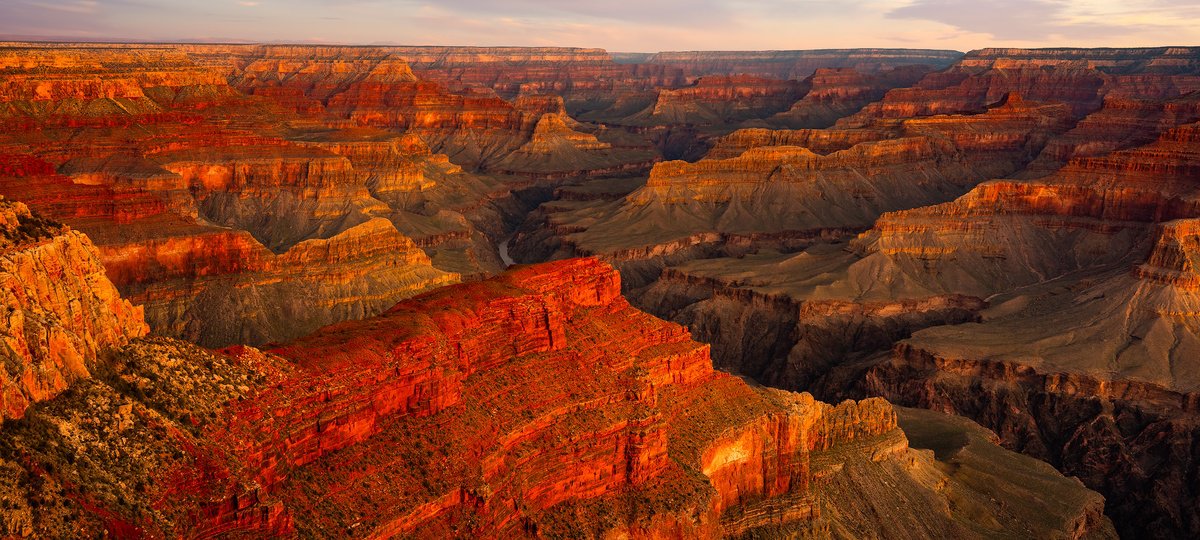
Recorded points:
(1089,289)
(820,141)
(838,92)
(1077,77)
(556,148)
(148,188)
(61,311)
(797,64)
(719,100)
(785,196)
(575,74)
(982,242)
(421,422)
(1121,123)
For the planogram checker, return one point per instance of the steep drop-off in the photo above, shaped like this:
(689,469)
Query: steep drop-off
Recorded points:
(420,423)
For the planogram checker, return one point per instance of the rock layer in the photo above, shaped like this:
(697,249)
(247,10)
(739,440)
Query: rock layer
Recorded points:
(1052,302)
(418,423)
(62,313)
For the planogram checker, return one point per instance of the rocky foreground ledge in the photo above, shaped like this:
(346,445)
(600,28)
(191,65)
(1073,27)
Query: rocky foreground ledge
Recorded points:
(537,403)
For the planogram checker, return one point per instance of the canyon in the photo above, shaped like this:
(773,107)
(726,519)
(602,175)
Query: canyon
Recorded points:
(418,423)
(1005,240)
(268,290)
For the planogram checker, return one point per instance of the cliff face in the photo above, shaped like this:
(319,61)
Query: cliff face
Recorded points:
(798,64)
(720,100)
(197,167)
(579,75)
(770,195)
(713,105)
(253,194)
(62,313)
(1080,78)
(419,422)
(1120,286)
(838,92)
(1092,202)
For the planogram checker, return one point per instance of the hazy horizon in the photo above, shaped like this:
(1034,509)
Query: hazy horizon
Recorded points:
(618,25)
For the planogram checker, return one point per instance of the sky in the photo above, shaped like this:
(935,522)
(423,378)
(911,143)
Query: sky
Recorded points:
(620,25)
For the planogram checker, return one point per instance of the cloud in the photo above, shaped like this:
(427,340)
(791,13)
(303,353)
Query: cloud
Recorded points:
(623,25)
(1020,20)
(75,6)
(661,12)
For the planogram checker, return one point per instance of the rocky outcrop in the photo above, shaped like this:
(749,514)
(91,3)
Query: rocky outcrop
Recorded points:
(1122,438)
(1027,260)
(556,149)
(819,141)
(420,423)
(1088,341)
(1081,249)
(791,332)
(1119,289)
(210,288)
(786,196)
(720,100)
(1120,124)
(1081,214)
(579,75)
(838,92)
(1080,78)
(62,314)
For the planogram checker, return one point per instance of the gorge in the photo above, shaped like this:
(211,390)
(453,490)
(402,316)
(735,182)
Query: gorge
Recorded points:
(434,292)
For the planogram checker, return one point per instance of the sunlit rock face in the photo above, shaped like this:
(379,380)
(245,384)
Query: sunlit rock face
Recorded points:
(537,403)
(61,312)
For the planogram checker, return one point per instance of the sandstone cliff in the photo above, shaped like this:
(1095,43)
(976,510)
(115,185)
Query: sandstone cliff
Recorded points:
(1080,78)
(62,313)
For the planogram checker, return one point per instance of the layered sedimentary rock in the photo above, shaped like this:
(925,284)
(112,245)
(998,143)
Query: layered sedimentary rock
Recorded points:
(682,121)
(1080,78)
(798,64)
(1121,123)
(1118,297)
(255,193)
(579,75)
(1051,303)
(452,214)
(717,100)
(199,198)
(558,149)
(790,195)
(592,79)
(61,312)
(419,423)
(819,141)
(838,92)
